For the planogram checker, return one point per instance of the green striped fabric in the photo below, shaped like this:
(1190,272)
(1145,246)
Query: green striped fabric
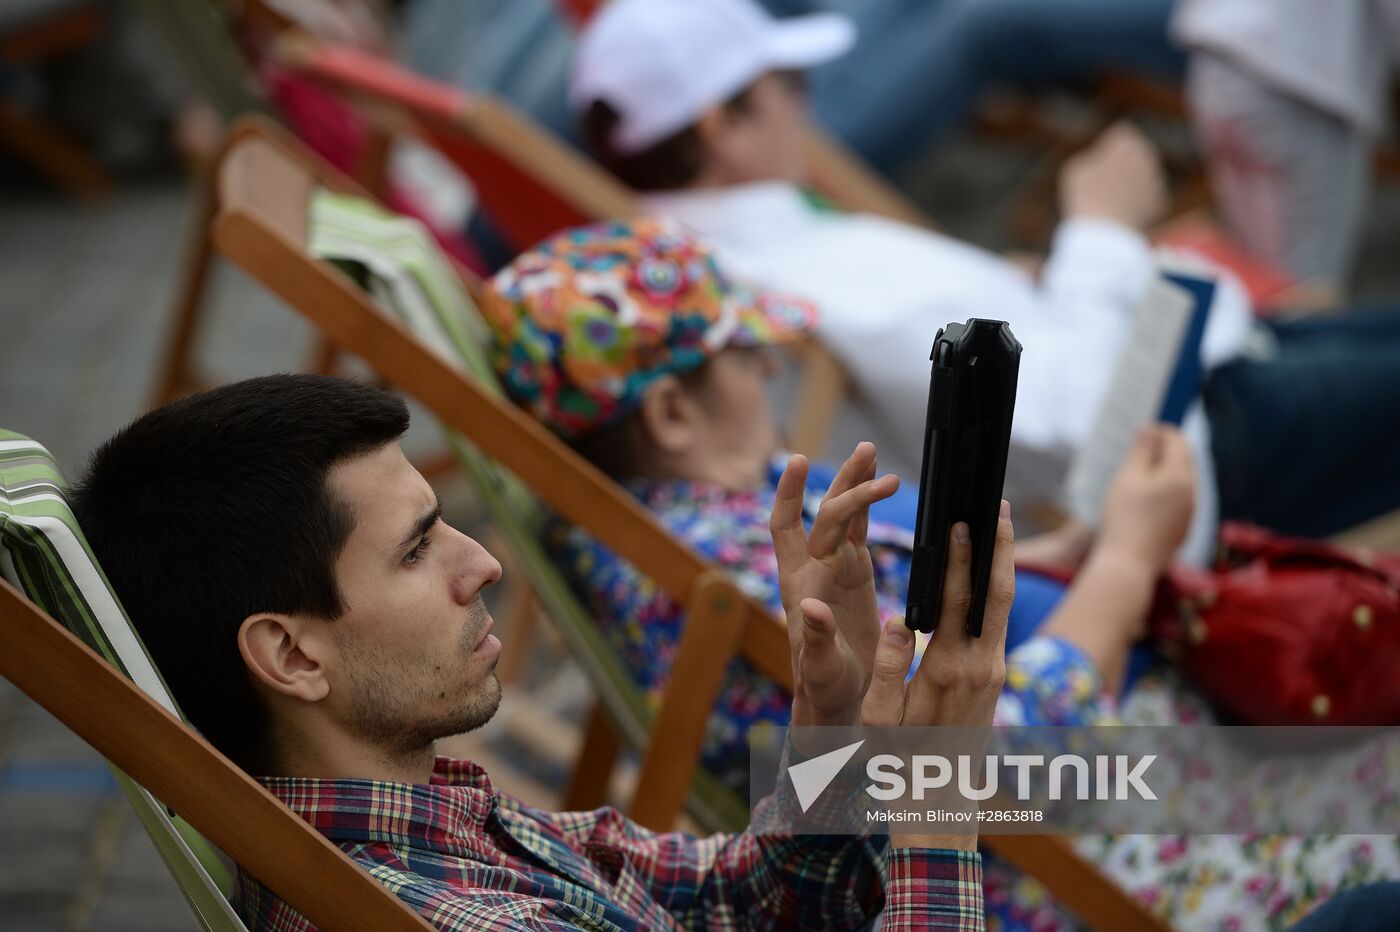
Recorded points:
(396,261)
(43,551)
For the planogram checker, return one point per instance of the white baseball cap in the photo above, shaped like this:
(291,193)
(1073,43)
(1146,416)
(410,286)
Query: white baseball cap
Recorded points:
(662,63)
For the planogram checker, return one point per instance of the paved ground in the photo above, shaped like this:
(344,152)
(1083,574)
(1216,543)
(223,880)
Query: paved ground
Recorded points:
(84,295)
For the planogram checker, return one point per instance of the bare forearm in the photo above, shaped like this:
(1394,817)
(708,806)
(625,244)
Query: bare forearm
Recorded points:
(1105,612)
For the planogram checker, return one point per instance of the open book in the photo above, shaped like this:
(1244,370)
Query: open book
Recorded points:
(1157,377)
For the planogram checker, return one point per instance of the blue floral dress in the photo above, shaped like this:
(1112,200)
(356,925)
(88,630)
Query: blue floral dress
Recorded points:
(1049,682)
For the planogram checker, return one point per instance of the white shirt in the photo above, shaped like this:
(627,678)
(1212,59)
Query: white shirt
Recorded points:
(1329,53)
(884,288)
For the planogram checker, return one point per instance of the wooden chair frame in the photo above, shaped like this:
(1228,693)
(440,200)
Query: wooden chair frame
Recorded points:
(50,153)
(186,773)
(261,226)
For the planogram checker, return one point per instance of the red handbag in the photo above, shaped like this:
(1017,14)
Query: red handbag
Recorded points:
(1284,631)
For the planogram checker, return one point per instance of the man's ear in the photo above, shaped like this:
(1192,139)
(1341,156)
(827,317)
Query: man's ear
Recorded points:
(671,417)
(285,654)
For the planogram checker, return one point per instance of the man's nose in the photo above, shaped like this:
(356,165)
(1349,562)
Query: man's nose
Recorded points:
(477,570)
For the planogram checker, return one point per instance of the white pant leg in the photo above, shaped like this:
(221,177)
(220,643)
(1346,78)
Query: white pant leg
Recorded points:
(1292,180)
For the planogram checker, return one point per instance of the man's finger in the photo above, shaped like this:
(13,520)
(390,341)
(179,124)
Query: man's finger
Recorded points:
(1143,452)
(957,591)
(1176,449)
(833,524)
(820,658)
(851,471)
(884,700)
(860,526)
(785,524)
(1001,591)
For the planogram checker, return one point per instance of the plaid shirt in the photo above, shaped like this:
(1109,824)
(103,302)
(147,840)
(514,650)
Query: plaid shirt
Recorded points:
(465,857)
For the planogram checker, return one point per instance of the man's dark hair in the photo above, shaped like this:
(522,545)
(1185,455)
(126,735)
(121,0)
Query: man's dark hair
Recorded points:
(674,162)
(216,507)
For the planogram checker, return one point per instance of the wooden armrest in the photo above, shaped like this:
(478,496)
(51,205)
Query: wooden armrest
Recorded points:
(714,621)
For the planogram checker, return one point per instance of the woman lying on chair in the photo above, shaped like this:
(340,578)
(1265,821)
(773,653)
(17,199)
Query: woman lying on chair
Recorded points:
(627,340)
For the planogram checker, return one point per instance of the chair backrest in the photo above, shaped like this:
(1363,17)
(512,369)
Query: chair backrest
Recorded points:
(46,556)
(532,182)
(123,709)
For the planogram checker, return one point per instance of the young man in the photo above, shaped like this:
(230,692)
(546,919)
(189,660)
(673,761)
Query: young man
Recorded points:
(291,574)
(719,148)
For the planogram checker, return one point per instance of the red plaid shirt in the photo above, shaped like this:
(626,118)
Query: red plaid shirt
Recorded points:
(467,858)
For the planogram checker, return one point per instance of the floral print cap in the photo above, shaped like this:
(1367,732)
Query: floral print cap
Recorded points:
(586,320)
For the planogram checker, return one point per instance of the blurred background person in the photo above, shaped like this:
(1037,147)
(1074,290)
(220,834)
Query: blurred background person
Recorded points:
(916,68)
(1288,98)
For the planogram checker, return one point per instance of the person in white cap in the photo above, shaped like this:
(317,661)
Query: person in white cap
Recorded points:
(695,103)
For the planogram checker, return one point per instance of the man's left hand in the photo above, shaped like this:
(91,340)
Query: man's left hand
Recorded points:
(828,587)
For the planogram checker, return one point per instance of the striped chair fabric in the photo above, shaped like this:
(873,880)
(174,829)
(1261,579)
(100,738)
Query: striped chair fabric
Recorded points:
(44,553)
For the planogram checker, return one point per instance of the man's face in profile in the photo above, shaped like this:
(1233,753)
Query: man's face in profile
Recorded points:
(414,659)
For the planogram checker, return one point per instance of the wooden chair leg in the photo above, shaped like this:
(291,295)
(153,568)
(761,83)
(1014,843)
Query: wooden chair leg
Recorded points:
(325,357)
(175,376)
(521,614)
(1074,881)
(52,155)
(820,392)
(439,466)
(714,622)
(588,786)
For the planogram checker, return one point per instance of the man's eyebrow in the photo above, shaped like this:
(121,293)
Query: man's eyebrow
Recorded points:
(422,526)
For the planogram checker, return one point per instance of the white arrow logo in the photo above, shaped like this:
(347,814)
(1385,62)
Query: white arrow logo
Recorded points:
(811,778)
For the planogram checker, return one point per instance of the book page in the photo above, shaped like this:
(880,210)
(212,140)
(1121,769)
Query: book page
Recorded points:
(1134,397)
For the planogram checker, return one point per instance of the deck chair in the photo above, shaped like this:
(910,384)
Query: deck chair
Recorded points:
(263,227)
(530,182)
(66,643)
(31,34)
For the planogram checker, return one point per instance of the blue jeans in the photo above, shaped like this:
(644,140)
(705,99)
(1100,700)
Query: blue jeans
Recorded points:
(919,65)
(1308,442)
(916,68)
(1373,907)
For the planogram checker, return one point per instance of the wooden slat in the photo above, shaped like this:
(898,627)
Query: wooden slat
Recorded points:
(51,35)
(821,387)
(714,620)
(1080,885)
(52,155)
(185,772)
(593,771)
(838,174)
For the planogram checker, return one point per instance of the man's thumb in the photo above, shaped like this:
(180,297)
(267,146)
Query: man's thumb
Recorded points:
(884,700)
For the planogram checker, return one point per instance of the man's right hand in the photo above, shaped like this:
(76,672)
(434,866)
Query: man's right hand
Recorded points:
(960,677)
(1119,177)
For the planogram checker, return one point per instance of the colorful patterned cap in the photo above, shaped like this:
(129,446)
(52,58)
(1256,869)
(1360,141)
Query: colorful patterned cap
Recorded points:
(585,321)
